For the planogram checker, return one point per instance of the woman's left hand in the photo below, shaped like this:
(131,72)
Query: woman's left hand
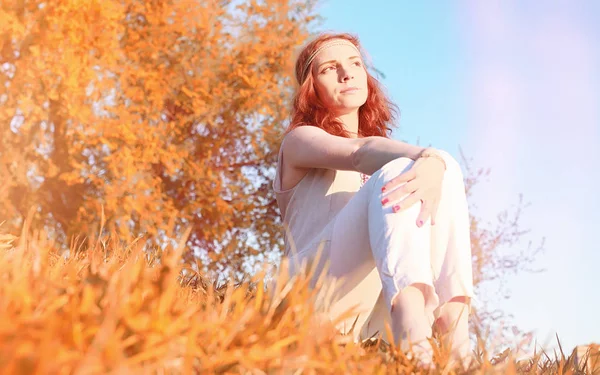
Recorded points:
(423,182)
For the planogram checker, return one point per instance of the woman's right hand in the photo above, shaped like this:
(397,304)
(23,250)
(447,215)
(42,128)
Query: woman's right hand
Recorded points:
(422,182)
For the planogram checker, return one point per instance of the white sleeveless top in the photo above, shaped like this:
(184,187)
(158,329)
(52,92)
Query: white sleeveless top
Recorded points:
(309,208)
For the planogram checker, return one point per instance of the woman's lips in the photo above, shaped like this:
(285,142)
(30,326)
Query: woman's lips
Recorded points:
(349,90)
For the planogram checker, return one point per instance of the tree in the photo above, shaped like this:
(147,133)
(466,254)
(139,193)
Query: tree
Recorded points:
(162,114)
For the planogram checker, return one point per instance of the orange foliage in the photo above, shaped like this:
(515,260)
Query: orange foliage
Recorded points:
(115,309)
(163,113)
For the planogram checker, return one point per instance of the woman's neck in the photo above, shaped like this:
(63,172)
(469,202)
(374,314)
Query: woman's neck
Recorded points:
(350,122)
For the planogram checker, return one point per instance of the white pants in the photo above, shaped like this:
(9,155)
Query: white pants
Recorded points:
(375,253)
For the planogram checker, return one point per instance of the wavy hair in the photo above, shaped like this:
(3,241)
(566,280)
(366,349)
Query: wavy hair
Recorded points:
(375,117)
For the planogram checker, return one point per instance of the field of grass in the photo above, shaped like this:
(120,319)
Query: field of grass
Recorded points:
(114,308)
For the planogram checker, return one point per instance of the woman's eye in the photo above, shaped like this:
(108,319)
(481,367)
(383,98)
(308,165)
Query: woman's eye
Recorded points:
(357,63)
(327,69)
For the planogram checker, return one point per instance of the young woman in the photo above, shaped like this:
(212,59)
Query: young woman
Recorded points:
(387,219)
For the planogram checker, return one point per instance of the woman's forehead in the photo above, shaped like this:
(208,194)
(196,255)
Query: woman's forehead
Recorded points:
(336,52)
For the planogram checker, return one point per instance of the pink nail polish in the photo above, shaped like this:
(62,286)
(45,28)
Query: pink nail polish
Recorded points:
(385,200)
(420,223)
(396,208)
(383,189)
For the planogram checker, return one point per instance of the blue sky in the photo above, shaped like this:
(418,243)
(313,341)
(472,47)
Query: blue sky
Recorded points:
(516,85)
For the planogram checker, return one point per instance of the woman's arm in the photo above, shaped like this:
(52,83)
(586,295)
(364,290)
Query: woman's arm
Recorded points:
(312,147)
(375,152)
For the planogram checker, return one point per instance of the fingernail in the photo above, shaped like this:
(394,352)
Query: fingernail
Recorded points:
(396,208)
(385,200)
(420,223)
(383,189)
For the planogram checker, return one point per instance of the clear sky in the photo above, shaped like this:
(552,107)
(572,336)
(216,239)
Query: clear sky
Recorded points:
(516,85)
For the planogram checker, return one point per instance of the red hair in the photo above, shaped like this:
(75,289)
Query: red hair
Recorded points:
(374,117)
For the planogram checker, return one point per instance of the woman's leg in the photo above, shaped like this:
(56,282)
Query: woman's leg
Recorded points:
(423,267)
(453,326)
(370,241)
(403,257)
(366,237)
(451,261)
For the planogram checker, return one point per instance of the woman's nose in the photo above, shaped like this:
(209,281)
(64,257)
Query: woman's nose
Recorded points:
(345,75)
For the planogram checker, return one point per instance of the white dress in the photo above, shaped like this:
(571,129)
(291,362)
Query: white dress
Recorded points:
(372,251)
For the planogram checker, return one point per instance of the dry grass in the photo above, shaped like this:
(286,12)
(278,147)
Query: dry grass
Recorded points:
(115,308)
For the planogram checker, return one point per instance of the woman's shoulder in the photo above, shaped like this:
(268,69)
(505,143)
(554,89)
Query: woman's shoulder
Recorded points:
(303,131)
(300,135)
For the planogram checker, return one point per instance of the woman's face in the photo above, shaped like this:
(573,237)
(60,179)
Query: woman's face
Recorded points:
(340,79)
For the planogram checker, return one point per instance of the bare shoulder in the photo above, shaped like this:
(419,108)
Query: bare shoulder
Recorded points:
(301,139)
(306,133)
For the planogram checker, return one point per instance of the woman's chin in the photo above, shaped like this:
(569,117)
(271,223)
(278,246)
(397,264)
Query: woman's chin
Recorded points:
(351,102)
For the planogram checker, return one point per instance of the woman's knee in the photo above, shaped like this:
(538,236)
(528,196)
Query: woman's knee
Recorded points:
(396,167)
(403,164)
(452,165)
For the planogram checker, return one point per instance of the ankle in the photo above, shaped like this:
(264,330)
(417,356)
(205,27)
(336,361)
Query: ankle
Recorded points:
(409,321)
